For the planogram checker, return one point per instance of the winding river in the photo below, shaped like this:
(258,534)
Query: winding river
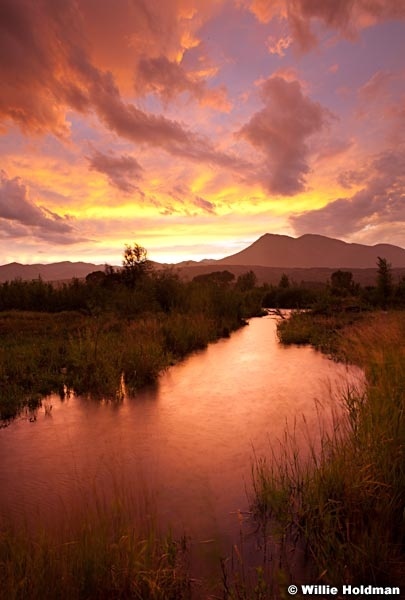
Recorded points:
(188,442)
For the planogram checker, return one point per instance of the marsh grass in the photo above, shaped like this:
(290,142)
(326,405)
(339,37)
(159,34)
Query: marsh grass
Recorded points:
(323,331)
(105,551)
(343,502)
(43,353)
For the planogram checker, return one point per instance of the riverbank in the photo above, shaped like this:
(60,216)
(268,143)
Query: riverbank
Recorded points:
(44,353)
(345,504)
(187,441)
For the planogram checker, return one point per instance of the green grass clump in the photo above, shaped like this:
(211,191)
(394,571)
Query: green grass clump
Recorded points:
(346,501)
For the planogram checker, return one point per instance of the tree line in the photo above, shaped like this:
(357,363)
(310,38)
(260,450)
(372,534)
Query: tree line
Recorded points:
(341,292)
(137,287)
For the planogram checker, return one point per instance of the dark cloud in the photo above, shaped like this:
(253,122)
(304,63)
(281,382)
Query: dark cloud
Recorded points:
(168,79)
(120,170)
(21,217)
(381,201)
(281,131)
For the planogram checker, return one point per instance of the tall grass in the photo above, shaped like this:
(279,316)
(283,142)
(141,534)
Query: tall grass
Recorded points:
(104,552)
(344,504)
(42,353)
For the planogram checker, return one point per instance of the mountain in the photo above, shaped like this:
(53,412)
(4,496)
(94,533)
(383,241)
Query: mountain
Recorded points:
(309,251)
(52,272)
(307,258)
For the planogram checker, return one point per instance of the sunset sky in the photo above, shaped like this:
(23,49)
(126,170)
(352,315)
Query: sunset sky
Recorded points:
(192,127)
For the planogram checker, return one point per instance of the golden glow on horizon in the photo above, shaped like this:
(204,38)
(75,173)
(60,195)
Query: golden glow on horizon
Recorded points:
(198,124)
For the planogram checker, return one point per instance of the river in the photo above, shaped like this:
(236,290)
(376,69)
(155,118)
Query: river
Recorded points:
(188,441)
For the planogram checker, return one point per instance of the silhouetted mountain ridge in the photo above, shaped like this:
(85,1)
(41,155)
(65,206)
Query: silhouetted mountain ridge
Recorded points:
(311,250)
(270,251)
(51,272)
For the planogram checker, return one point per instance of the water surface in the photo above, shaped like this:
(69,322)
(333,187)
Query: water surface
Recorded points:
(189,440)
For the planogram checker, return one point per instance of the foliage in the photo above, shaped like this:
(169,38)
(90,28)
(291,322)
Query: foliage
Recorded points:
(131,323)
(323,331)
(345,502)
(135,264)
(384,282)
(342,283)
(216,278)
(106,552)
(246,281)
(291,296)
(284,282)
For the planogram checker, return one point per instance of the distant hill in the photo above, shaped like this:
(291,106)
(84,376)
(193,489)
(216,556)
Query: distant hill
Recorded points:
(53,272)
(310,258)
(309,251)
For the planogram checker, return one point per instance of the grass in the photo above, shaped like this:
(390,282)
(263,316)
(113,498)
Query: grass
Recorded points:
(338,507)
(320,330)
(103,553)
(344,504)
(43,353)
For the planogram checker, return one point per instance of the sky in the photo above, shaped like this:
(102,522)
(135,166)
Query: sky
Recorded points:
(193,127)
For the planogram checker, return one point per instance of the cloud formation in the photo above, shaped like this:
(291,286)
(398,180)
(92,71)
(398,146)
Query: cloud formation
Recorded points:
(20,216)
(45,74)
(168,79)
(279,45)
(375,86)
(347,17)
(91,87)
(281,131)
(120,170)
(380,202)
(205,205)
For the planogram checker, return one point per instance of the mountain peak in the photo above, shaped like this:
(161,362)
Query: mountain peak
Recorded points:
(313,250)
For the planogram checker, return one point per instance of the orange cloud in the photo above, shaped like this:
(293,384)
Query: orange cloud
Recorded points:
(346,17)
(50,72)
(278,45)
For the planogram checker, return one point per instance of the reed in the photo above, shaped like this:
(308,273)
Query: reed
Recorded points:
(44,353)
(320,330)
(344,501)
(103,552)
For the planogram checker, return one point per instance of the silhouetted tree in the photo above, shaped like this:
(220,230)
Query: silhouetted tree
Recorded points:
(246,281)
(342,283)
(216,277)
(135,263)
(384,281)
(95,277)
(284,282)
